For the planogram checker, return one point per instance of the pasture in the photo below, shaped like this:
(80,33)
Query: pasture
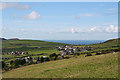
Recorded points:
(100,66)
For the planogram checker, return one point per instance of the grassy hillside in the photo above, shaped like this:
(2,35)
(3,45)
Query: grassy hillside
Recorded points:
(100,66)
(30,46)
(27,43)
(106,44)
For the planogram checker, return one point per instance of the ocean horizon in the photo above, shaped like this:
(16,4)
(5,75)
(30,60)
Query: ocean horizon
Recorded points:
(77,42)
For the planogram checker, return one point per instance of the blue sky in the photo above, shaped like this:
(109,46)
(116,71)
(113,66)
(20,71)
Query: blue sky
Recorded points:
(60,20)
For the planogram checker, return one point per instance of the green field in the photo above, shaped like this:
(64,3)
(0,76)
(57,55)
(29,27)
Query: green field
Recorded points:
(106,44)
(30,46)
(95,66)
(102,66)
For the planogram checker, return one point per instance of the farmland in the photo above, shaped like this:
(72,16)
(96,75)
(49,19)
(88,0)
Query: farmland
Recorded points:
(100,62)
(102,66)
(28,45)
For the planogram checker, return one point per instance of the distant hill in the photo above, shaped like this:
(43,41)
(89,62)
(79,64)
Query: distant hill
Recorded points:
(3,39)
(14,39)
(10,39)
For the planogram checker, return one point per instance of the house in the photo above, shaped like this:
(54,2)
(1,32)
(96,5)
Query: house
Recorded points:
(44,56)
(63,53)
(28,59)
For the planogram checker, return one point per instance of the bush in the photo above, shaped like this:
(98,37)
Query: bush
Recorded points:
(89,54)
(53,56)
(47,59)
(41,59)
(4,65)
(98,54)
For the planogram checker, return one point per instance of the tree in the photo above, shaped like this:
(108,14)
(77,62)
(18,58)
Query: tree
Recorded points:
(53,56)
(16,63)
(22,61)
(42,59)
(11,63)
(3,64)
(38,58)
(46,59)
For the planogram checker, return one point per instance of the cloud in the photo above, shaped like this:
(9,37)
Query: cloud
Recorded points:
(96,29)
(33,15)
(93,30)
(23,7)
(111,29)
(15,5)
(83,15)
(74,31)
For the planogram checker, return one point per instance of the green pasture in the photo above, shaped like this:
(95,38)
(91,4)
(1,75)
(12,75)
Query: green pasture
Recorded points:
(99,66)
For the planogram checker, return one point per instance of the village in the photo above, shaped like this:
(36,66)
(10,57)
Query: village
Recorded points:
(28,59)
(24,58)
(64,50)
(68,50)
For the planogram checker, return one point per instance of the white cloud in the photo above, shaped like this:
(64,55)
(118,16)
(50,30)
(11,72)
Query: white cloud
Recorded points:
(93,29)
(111,29)
(33,15)
(15,5)
(73,31)
(96,29)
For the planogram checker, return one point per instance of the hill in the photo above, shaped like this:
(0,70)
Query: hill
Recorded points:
(30,46)
(102,66)
(100,62)
(108,43)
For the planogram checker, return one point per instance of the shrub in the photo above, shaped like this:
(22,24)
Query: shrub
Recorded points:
(98,54)
(89,54)
(4,65)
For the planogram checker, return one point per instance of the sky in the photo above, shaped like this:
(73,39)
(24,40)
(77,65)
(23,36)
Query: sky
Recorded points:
(60,20)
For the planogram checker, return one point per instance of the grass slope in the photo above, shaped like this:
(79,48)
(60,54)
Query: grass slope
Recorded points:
(108,43)
(27,43)
(100,66)
(30,46)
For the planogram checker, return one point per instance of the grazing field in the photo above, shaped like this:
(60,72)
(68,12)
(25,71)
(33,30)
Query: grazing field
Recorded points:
(30,46)
(100,62)
(99,66)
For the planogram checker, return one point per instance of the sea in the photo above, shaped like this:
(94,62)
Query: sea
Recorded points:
(77,42)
